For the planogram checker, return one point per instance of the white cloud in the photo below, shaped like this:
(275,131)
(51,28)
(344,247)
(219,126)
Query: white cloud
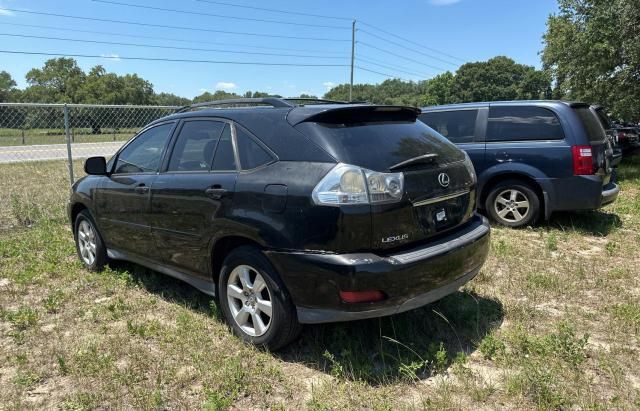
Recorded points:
(226,86)
(329,85)
(443,2)
(5,12)
(111,56)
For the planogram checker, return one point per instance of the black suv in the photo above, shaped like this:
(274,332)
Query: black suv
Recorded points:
(289,213)
(533,158)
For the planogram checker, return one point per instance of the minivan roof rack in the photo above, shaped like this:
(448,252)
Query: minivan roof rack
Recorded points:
(264,101)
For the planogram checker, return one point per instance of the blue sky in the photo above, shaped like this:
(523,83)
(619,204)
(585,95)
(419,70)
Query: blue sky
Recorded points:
(460,31)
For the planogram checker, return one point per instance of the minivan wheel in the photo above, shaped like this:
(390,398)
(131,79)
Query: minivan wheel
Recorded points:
(513,204)
(254,301)
(89,245)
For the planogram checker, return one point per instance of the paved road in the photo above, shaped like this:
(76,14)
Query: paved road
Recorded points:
(17,154)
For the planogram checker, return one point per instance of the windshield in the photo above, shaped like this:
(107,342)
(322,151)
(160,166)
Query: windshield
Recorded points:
(380,145)
(591,123)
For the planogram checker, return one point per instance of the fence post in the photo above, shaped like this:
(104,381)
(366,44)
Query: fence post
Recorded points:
(68,138)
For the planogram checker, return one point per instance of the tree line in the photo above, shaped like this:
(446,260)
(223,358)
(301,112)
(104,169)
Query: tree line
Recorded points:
(61,80)
(591,53)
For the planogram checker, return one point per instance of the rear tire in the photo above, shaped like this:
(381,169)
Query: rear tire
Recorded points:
(89,244)
(254,301)
(513,203)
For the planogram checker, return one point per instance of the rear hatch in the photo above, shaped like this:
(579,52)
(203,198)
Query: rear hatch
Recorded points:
(602,152)
(439,182)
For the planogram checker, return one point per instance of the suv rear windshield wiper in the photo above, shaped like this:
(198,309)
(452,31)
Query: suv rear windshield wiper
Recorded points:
(424,159)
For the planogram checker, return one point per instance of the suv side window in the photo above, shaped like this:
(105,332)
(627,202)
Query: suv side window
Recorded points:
(252,155)
(519,123)
(196,143)
(458,126)
(224,158)
(144,153)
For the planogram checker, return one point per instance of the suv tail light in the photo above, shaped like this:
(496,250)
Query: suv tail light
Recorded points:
(347,184)
(582,160)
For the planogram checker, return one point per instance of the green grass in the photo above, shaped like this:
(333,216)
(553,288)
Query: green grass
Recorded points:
(551,322)
(16,137)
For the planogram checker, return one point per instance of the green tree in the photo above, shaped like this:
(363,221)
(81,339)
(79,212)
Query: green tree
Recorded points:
(438,90)
(169,99)
(499,78)
(59,81)
(7,87)
(218,95)
(592,51)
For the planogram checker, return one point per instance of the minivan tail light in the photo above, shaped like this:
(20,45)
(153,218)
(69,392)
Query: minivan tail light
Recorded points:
(347,184)
(582,160)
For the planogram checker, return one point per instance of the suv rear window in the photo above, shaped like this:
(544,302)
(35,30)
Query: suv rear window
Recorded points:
(519,123)
(592,126)
(458,126)
(379,145)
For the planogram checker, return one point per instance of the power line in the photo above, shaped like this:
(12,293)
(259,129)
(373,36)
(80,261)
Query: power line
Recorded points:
(245,63)
(395,43)
(160,38)
(401,56)
(294,13)
(222,16)
(164,47)
(368,61)
(380,73)
(411,41)
(135,23)
(375,60)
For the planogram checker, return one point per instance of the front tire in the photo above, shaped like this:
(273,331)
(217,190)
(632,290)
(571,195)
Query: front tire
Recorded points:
(255,302)
(513,203)
(89,245)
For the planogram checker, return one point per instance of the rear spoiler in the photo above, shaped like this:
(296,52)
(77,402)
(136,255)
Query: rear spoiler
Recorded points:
(352,114)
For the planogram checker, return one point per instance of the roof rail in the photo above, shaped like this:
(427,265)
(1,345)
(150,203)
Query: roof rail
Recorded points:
(316,100)
(269,101)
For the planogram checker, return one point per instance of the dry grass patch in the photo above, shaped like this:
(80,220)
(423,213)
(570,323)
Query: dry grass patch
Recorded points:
(552,321)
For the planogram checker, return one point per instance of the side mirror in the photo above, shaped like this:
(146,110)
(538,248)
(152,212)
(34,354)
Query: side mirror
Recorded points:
(96,166)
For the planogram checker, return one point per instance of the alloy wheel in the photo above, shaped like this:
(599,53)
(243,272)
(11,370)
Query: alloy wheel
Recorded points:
(511,205)
(249,300)
(87,242)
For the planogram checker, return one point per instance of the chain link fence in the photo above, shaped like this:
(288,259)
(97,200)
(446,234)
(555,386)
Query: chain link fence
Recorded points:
(39,132)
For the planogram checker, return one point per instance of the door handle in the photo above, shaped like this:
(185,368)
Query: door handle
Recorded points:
(215,192)
(141,189)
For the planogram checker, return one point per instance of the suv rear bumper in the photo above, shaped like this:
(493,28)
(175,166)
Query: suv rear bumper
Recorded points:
(409,279)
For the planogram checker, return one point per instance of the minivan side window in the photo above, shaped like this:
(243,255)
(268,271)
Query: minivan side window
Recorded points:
(519,123)
(458,126)
(195,145)
(224,159)
(144,153)
(252,155)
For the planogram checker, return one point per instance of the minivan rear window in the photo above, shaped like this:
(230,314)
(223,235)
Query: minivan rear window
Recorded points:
(379,145)
(592,125)
(517,123)
(458,126)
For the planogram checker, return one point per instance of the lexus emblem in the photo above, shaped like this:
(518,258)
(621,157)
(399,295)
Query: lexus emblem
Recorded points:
(443,179)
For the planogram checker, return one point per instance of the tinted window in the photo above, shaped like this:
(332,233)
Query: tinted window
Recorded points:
(458,126)
(194,148)
(224,158)
(604,118)
(143,154)
(252,155)
(377,146)
(591,123)
(523,123)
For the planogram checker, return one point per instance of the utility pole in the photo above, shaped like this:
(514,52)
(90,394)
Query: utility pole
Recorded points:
(353,57)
